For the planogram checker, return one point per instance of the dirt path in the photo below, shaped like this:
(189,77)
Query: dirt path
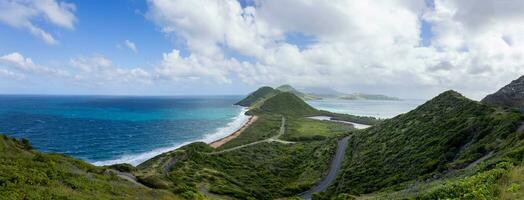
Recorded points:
(127,176)
(334,167)
(168,166)
(222,141)
(476,162)
(275,138)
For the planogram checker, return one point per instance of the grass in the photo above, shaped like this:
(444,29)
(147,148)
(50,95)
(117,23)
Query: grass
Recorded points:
(446,133)
(512,186)
(265,127)
(259,95)
(263,171)
(27,174)
(285,103)
(303,129)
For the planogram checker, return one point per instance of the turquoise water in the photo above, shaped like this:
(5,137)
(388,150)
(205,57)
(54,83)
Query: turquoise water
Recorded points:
(108,129)
(372,108)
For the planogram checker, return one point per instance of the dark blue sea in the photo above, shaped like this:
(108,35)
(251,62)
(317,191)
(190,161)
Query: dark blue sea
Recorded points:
(116,129)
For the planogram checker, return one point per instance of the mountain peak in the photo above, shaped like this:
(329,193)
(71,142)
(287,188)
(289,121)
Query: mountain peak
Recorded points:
(511,95)
(259,95)
(286,88)
(286,103)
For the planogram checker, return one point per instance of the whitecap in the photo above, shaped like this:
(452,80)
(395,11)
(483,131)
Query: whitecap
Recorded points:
(135,159)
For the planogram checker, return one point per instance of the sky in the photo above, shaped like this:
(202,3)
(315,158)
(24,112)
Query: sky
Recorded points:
(403,48)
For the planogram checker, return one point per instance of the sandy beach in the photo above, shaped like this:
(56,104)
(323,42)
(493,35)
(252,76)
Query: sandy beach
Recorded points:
(224,140)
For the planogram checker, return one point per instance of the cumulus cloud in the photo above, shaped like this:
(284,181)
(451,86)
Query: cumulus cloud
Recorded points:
(195,67)
(99,70)
(24,14)
(18,62)
(131,46)
(356,46)
(87,72)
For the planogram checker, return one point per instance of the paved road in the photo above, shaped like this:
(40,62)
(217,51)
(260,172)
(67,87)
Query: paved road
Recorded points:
(334,167)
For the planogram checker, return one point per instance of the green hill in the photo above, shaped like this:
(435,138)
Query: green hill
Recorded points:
(257,96)
(28,174)
(304,96)
(444,135)
(362,96)
(285,103)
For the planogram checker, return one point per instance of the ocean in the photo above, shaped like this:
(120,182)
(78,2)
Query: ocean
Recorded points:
(372,108)
(106,130)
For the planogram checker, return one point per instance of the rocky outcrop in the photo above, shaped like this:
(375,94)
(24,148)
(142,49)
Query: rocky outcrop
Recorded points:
(511,95)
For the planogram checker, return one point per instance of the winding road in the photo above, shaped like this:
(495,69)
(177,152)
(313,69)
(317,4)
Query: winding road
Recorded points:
(334,167)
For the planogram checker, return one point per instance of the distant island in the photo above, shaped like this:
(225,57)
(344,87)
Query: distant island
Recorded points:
(327,93)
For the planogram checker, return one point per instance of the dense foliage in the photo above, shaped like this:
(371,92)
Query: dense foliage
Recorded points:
(27,174)
(444,134)
(266,170)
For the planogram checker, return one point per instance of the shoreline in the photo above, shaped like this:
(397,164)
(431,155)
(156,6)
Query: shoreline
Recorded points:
(239,123)
(217,143)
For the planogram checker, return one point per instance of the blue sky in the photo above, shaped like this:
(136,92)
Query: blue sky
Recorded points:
(101,27)
(232,47)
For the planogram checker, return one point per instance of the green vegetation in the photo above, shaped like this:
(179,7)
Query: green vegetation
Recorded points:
(266,170)
(27,174)
(285,103)
(512,186)
(351,118)
(304,129)
(263,171)
(445,134)
(259,95)
(265,127)
(449,148)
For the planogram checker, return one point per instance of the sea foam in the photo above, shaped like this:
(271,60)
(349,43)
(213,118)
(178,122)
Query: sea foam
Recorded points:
(135,159)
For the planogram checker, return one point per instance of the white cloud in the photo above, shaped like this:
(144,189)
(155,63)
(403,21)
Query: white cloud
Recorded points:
(194,67)
(91,72)
(24,13)
(11,75)
(357,45)
(130,45)
(99,70)
(17,61)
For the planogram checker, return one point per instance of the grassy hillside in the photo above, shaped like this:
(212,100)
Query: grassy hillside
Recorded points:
(257,96)
(267,170)
(28,174)
(285,103)
(444,135)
